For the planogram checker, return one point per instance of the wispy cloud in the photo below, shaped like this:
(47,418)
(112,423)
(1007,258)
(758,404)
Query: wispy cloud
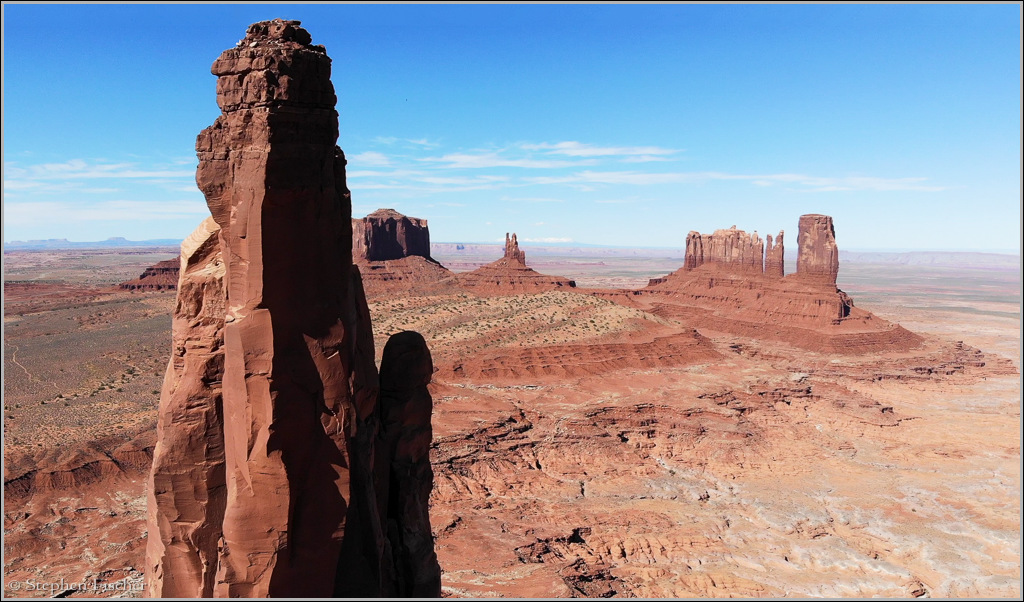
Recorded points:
(370,158)
(414,142)
(532,199)
(39,212)
(579,149)
(493,159)
(81,169)
(803,183)
(546,239)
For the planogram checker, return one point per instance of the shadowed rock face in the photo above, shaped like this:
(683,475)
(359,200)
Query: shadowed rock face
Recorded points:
(404,477)
(386,234)
(263,479)
(818,255)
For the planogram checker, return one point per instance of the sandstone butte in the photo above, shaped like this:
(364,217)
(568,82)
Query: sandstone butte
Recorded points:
(283,467)
(731,281)
(393,255)
(510,275)
(162,276)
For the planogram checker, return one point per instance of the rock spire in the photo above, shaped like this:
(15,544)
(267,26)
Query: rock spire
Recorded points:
(263,481)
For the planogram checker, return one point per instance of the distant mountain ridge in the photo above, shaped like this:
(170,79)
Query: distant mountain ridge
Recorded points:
(63,243)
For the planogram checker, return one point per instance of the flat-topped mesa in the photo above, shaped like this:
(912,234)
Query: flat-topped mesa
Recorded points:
(512,249)
(263,480)
(817,253)
(720,282)
(731,249)
(162,276)
(774,265)
(386,234)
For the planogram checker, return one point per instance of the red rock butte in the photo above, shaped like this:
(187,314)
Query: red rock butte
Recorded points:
(732,282)
(387,234)
(264,478)
(393,254)
(510,275)
(162,276)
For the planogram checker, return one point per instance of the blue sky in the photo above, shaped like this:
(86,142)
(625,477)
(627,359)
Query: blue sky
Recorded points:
(617,125)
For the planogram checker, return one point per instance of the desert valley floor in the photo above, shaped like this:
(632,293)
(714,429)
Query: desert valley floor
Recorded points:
(582,446)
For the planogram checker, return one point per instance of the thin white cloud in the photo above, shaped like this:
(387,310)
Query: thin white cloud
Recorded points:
(532,199)
(370,158)
(808,183)
(546,239)
(646,159)
(423,142)
(396,173)
(417,142)
(490,160)
(579,149)
(81,169)
(463,180)
(43,212)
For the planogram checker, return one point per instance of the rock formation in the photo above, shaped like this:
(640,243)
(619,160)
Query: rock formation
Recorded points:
(818,256)
(263,478)
(162,276)
(512,251)
(403,475)
(774,262)
(387,234)
(510,275)
(393,253)
(188,466)
(730,249)
(731,282)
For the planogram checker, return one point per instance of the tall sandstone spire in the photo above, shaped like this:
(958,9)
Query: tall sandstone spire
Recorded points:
(774,260)
(263,478)
(817,254)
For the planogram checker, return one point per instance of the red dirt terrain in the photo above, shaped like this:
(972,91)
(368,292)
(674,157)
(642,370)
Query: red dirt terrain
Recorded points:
(588,447)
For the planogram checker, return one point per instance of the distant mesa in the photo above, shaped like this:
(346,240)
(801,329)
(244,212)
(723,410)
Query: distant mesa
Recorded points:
(162,276)
(733,282)
(392,252)
(386,234)
(510,275)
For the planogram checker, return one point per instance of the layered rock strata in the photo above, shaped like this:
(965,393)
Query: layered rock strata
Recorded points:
(387,234)
(263,481)
(732,248)
(187,489)
(818,255)
(510,275)
(162,276)
(393,254)
(731,282)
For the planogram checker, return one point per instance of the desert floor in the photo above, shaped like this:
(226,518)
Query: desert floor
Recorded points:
(582,448)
